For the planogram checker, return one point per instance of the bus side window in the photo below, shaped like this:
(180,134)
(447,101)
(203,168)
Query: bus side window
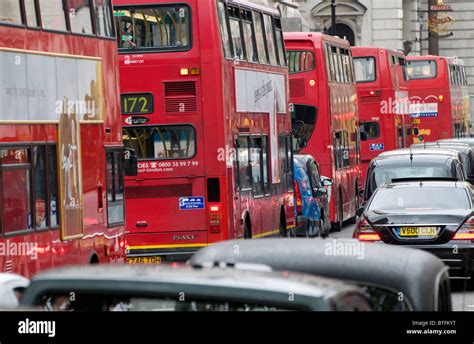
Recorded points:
(236,33)
(249,37)
(244,168)
(16,186)
(260,38)
(115,187)
(30,13)
(271,45)
(280,42)
(266,166)
(11,12)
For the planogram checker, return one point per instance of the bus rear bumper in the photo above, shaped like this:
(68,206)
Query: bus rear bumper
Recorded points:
(165,246)
(174,254)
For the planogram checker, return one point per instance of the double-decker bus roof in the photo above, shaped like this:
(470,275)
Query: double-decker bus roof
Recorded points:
(252,5)
(375,50)
(315,37)
(448,59)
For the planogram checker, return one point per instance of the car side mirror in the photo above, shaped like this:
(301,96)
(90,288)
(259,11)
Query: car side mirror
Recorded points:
(302,142)
(327,182)
(364,136)
(131,162)
(320,192)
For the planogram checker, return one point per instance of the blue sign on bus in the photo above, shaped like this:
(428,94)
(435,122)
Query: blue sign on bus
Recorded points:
(191,203)
(377,147)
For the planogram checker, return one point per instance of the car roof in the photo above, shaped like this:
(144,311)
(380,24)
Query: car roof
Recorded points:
(159,280)
(416,159)
(385,266)
(410,183)
(467,140)
(421,151)
(462,147)
(8,283)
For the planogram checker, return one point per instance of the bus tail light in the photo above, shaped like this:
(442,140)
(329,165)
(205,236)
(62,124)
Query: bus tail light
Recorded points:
(215,219)
(312,83)
(195,71)
(466,232)
(190,71)
(365,232)
(441,98)
(299,201)
(376,93)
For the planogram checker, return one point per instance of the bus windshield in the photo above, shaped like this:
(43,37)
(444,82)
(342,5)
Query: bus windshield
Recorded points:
(364,69)
(161,142)
(422,69)
(155,27)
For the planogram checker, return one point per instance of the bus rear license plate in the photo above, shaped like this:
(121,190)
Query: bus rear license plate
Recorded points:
(145,260)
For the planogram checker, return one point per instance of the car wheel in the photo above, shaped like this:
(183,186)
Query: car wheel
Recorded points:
(353,220)
(337,227)
(315,229)
(284,232)
(324,233)
(247,230)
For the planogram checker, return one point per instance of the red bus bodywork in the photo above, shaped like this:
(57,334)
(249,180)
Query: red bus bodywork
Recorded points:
(383,102)
(335,140)
(439,101)
(209,86)
(24,207)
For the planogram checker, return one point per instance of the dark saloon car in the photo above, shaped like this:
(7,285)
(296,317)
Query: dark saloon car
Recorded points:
(436,216)
(415,164)
(385,273)
(241,288)
(467,153)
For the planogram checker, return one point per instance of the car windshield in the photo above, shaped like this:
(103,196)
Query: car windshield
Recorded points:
(386,174)
(419,198)
(119,303)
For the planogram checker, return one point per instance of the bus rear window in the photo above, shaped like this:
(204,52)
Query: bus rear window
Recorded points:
(365,69)
(161,142)
(153,27)
(422,69)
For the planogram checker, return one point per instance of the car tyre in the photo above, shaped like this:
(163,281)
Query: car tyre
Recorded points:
(337,227)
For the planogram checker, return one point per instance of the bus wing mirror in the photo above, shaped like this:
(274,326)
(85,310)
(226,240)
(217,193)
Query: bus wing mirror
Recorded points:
(298,126)
(131,163)
(327,182)
(302,143)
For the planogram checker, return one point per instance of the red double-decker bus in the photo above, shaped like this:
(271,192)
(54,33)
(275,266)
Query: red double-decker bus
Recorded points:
(61,150)
(439,97)
(204,104)
(383,91)
(324,99)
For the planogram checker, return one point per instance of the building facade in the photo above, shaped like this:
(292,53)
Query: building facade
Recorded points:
(394,24)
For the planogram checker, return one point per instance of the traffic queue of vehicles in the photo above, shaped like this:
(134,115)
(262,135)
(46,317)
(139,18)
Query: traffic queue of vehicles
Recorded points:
(215,102)
(265,276)
(422,198)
